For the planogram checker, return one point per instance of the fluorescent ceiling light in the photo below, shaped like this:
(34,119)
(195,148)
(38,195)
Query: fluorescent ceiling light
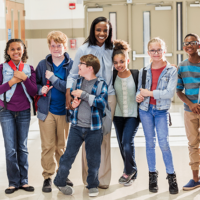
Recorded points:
(195,5)
(95,9)
(163,8)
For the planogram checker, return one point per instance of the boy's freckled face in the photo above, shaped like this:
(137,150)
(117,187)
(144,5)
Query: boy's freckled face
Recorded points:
(191,49)
(57,49)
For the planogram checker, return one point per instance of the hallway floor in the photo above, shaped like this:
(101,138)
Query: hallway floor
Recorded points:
(138,190)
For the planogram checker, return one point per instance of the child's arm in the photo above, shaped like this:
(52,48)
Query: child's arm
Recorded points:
(167,93)
(194,107)
(57,83)
(96,101)
(139,97)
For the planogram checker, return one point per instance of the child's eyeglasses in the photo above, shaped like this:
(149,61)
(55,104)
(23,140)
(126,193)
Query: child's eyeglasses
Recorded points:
(80,63)
(190,43)
(158,51)
(58,46)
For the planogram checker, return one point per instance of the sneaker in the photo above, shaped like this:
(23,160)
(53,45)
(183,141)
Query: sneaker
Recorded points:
(93,192)
(153,181)
(125,178)
(69,183)
(47,185)
(103,186)
(191,185)
(173,186)
(67,190)
(129,183)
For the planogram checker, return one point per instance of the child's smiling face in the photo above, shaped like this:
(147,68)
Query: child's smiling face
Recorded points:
(56,49)
(191,47)
(15,51)
(120,62)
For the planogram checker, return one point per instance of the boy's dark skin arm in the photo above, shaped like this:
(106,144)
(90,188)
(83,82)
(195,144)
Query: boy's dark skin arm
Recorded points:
(69,99)
(194,107)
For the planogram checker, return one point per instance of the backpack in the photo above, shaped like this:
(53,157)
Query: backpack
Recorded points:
(107,119)
(37,97)
(144,72)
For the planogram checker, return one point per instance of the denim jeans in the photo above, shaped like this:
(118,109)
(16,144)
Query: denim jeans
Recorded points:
(126,128)
(15,127)
(93,140)
(151,120)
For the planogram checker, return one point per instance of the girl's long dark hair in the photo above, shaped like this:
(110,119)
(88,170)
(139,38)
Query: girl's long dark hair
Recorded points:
(91,38)
(7,57)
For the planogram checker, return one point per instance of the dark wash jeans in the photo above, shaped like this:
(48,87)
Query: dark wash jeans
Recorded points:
(93,140)
(15,127)
(126,128)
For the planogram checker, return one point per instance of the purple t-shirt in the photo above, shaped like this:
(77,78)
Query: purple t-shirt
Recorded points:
(19,101)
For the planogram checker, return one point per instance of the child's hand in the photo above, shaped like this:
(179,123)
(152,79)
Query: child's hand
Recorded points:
(144,92)
(195,108)
(45,89)
(48,74)
(77,93)
(139,98)
(20,75)
(13,81)
(76,102)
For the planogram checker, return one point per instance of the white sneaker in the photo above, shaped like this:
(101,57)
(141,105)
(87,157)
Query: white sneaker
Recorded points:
(93,192)
(67,190)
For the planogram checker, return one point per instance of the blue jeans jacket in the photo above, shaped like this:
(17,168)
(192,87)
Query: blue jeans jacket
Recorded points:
(165,88)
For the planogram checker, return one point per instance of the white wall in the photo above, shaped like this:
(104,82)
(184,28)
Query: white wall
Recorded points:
(2,29)
(39,12)
(52,9)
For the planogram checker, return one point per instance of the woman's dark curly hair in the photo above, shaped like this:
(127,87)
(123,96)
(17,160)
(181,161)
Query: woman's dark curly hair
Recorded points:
(7,57)
(91,38)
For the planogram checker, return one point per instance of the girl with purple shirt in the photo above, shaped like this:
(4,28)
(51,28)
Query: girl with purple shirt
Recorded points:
(17,85)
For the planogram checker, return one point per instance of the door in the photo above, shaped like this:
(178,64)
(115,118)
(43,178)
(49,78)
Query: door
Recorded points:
(146,24)
(15,20)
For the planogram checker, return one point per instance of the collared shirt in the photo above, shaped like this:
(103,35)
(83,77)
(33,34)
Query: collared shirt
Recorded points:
(97,107)
(105,58)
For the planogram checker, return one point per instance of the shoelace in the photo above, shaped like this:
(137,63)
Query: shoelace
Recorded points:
(153,178)
(172,180)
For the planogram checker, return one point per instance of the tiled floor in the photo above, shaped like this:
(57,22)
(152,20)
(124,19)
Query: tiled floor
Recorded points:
(139,189)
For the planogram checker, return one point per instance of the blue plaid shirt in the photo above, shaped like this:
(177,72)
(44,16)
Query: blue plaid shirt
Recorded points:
(98,106)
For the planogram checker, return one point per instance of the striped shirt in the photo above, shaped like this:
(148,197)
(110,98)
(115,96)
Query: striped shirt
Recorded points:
(189,79)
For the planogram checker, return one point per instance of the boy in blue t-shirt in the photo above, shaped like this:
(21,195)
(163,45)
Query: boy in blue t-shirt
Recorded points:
(188,79)
(51,77)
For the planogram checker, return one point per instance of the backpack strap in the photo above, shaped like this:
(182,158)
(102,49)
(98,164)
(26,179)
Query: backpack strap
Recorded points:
(99,87)
(135,74)
(114,76)
(144,75)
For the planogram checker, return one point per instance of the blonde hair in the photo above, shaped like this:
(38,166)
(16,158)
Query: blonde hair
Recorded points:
(57,37)
(161,42)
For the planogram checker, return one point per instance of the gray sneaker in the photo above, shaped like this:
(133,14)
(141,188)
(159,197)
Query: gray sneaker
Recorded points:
(123,180)
(67,190)
(93,192)
(129,183)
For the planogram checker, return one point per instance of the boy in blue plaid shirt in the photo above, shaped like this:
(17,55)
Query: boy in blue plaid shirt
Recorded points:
(86,125)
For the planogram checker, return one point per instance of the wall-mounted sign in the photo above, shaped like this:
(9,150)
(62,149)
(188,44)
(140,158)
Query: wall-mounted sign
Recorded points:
(72,6)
